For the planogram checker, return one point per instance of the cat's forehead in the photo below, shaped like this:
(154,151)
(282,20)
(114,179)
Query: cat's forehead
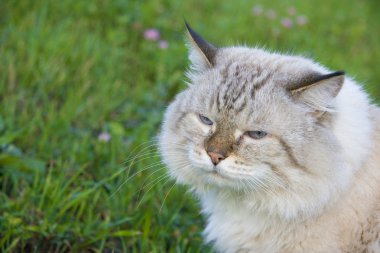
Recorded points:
(244,73)
(237,86)
(259,66)
(247,82)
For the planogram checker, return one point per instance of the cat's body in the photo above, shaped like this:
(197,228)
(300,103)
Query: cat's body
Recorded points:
(284,156)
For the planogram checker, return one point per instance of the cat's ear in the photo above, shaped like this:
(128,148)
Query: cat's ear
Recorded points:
(318,91)
(202,53)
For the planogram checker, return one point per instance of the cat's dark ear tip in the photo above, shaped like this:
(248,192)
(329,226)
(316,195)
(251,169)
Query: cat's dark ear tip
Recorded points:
(338,73)
(208,50)
(187,24)
(192,33)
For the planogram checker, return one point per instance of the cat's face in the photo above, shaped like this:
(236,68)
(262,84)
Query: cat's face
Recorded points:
(250,120)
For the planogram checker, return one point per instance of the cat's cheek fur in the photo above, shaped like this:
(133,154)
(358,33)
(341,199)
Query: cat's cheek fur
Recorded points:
(199,159)
(179,127)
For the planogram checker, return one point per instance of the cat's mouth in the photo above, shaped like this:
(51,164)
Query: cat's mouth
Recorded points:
(217,174)
(221,174)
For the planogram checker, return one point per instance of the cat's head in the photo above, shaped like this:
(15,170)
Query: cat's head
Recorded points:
(251,120)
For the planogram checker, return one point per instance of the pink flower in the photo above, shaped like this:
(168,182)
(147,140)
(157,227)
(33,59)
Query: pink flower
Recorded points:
(152,34)
(287,23)
(292,11)
(163,44)
(104,137)
(301,20)
(257,10)
(271,14)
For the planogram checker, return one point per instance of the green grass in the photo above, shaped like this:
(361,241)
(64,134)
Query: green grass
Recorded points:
(70,70)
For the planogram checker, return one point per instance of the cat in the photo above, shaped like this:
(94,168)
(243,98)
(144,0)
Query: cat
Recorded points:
(283,154)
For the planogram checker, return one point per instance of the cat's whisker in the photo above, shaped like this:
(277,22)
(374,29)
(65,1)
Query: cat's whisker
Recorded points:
(146,157)
(149,143)
(158,180)
(141,145)
(156,143)
(153,181)
(144,150)
(158,163)
(142,158)
(152,184)
(166,195)
(156,150)
(132,176)
(183,164)
(179,160)
(141,153)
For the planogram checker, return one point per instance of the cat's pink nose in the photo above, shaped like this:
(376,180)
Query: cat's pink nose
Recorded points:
(215,157)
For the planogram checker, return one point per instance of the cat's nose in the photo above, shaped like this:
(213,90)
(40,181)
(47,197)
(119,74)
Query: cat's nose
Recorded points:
(215,157)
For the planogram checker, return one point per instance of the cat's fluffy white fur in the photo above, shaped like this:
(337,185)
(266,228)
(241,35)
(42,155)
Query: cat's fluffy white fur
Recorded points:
(323,196)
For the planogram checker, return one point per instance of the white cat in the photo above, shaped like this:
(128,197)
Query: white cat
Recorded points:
(283,154)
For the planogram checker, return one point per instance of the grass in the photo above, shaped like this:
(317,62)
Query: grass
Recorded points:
(72,70)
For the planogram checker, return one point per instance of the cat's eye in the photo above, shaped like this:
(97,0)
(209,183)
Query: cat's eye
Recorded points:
(256,134)
(205,120)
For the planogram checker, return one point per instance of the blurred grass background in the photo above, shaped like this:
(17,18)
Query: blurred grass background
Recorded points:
(82,92)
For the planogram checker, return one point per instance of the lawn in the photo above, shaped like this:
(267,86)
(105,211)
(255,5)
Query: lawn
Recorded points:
(83,87)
